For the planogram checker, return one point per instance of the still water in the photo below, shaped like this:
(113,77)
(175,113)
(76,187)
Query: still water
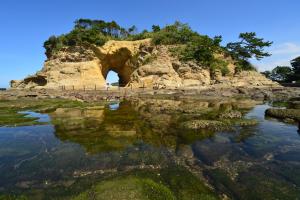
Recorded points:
(76,148)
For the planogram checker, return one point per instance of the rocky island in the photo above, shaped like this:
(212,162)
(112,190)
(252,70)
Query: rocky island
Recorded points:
(150,59)
(190,118)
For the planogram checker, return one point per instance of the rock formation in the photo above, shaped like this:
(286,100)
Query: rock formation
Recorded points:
(137,63)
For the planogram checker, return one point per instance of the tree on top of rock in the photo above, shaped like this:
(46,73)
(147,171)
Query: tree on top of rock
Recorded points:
(249,46)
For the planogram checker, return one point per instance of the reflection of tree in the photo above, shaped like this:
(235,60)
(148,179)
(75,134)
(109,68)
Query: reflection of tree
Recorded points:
(156,122)
(97,130)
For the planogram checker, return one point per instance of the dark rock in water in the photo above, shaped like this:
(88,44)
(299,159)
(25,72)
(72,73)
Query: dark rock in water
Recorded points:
(295,104)
(284,114)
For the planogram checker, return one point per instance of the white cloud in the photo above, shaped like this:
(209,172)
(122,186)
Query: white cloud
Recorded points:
(282,54)
(269,65)
(286,48)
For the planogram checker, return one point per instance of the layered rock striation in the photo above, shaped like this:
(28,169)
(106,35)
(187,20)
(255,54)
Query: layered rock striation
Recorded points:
(137,63)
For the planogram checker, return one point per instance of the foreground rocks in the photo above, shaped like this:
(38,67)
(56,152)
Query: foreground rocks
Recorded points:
(213,92)
(289,115)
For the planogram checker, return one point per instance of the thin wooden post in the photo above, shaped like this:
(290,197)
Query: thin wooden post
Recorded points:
(73,87)
(95,87)
(84,88)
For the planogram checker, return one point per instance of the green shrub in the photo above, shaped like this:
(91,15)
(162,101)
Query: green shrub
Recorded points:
(178,33)
(219,65)
(244,65)
(201,49)
(149,59)
(190,45)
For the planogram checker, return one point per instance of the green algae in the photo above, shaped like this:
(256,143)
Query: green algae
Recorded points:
(10,110)
(100,130)
(13,197)
(11,117)
(128,188)
(256,183)
(283,114)
(168,184)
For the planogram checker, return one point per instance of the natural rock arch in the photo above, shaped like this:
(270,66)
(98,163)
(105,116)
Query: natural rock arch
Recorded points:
(137,63)
(120,62)
(87,66)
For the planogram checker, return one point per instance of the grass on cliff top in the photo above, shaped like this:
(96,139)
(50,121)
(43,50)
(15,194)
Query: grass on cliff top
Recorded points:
(10,116)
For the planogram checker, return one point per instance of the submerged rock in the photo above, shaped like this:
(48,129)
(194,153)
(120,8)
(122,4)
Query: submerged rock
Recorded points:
(168,184)
(204,124)
(246,122)
(284,114)
(295,104)
(231,115)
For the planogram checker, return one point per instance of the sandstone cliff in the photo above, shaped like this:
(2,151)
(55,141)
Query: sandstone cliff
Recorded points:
(137,63)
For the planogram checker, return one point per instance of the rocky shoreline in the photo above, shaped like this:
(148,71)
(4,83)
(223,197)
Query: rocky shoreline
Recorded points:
(257,93)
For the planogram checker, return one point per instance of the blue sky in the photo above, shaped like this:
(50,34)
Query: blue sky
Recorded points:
(27,24)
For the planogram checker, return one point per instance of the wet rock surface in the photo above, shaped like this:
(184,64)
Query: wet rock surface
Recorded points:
(89,145)
(284,114)
(95,94)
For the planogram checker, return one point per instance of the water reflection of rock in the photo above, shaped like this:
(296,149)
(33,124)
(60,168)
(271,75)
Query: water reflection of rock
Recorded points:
(97,129)
(153,121)
(253,162)
(70,119)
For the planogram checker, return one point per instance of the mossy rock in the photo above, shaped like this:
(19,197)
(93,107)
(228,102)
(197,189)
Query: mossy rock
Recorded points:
(166,184)
(128,188)
(284,113)
(204,124)
(245,122)
(294,104)
(10,110)
(233,114)
(13,197)
(10,118)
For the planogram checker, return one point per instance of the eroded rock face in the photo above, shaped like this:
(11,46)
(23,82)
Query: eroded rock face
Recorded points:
(137,63)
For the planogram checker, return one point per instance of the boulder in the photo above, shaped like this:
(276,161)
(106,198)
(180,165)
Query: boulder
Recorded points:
(284,114)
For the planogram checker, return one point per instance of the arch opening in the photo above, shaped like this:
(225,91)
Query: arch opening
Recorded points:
(117,77)
(112,78)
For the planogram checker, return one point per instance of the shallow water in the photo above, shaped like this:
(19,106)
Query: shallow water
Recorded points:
(82,146)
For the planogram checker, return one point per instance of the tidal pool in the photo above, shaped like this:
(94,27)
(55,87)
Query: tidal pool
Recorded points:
(151,149)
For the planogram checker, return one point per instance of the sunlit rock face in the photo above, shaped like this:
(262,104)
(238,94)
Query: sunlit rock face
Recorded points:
(86,67)
(137,63)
